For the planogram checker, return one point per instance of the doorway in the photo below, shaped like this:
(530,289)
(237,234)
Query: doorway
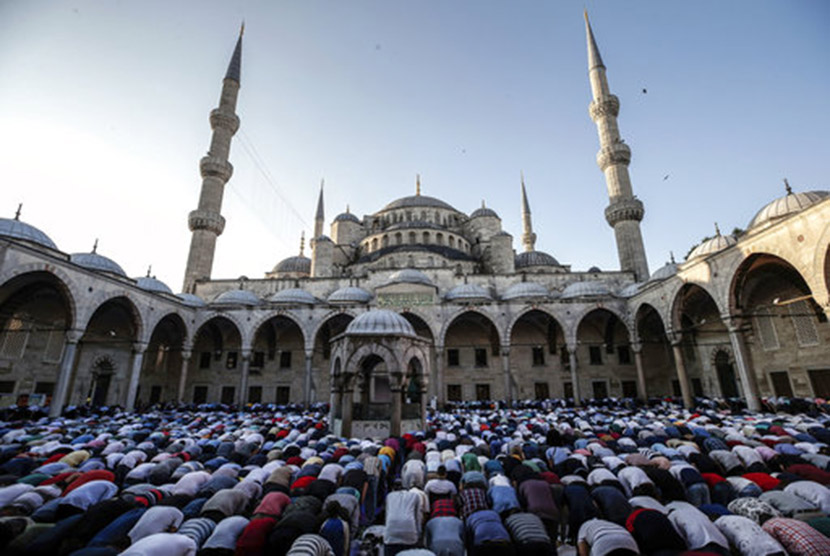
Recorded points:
(726,375)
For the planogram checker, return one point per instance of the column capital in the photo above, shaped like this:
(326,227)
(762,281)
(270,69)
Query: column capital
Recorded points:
(309,353)
(733,322)
(571,348)
(505,350)
(139,347)
(73,336)
(245,353)
(675,338)
(187,354)
(636,347)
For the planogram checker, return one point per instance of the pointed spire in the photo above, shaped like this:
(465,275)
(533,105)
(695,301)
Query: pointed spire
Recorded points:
(525,204)
(302,243)
(320,214)
(671,257)
(418,184)
(787,187)
(95,246)
(17,214)
(594,59)
(149,270)
(528,237)
(235,65)
(717,229)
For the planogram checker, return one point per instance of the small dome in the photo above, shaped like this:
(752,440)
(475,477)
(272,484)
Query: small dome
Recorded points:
(535,258)
(666,271)
(630,290)
(526,290)
(98,263)
(191,300)
(483,211)
(322,237)
(409,276)
(347,217)
(150,284)
(380,322)
(594,269)
(787,205)
(468,292)
(15,229)
(712,246)
(588,288)
(299,264)
(417,201)
(293,296)
(237,297)
(350,294)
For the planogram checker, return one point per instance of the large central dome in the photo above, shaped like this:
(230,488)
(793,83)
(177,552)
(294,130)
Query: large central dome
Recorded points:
(418,201)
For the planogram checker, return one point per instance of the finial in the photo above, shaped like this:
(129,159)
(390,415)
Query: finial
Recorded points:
(348,211)
(671,257)
(522,177)
(482,204)
(787,187)
(594,58)
(95,246)
(418,184)
(717,229)
(17,214)
(149,270)
(302,243)
(242,28)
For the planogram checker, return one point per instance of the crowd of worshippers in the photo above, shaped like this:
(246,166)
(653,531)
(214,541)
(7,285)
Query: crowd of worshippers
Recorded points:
(601,480)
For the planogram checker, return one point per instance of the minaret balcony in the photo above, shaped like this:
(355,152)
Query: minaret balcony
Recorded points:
(606,105)
(213,166)
(617,153)
(624,209)
(224,119)
(206,220)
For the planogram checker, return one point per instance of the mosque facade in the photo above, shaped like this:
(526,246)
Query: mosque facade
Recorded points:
(420,301)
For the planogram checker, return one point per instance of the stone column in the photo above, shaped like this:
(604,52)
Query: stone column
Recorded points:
(308,378)
(186,355)
(676,340)
(745,371)
(135,374)
(395,418)
(70,348)
(243,380)
(574,375)
(642,391)
(335,400)
(508,384)
(440,388)
(348,405)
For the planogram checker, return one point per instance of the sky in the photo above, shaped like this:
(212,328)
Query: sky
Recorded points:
(104,116)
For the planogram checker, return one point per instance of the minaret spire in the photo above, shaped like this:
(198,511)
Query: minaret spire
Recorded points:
(319,217)
(207,222)
(418,184)
(302,243)
(624,211)
(528,237)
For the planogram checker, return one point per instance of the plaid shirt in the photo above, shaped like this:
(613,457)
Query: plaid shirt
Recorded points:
(473,500)
(797,537)
(443,507)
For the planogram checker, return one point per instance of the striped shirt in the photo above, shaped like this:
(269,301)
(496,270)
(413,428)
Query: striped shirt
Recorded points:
(310,545)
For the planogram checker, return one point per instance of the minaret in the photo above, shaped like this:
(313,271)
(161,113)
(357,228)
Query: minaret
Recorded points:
(206,222)
(624,211)
(528,237)
(319,218)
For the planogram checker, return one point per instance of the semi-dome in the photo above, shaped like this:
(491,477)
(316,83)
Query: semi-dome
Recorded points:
(237,297)
(293,296)
(526,290)
(409,276)
(666,271)
(347,217)
(417,201)
(380,322)
(712,246)
(534,258)
(594,269)
(15,229)
(350,294)
(191,300)
(630,290)
(589,288)
(151,284)
(299,264)
(468,292)
(787,205)
(98,263)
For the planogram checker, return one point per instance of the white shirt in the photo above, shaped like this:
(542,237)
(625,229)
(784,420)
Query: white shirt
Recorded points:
(694,526)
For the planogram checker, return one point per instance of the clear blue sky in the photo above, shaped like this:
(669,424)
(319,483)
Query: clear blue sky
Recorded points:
(104,106)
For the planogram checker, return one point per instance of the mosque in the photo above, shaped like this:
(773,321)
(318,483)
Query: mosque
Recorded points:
(419,302)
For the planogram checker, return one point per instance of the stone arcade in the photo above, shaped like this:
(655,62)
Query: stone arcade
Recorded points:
(419,300)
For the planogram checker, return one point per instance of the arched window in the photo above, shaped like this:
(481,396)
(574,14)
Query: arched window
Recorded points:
(426,237)
(386,241)
(451,241)
(413,238)
(398,238)
(439,238)
(375,244)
